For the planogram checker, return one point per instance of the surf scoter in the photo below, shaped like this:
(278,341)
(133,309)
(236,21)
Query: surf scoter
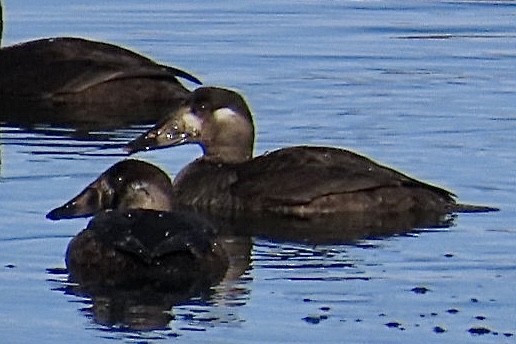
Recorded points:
(135,238)
(301,181)
(68,70)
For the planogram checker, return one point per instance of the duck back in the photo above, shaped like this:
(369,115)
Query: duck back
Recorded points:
(69,69)
(124,248)
(307,181)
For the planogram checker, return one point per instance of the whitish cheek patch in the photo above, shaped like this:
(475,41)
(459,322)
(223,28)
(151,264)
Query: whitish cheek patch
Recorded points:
(192,122)
(224,114)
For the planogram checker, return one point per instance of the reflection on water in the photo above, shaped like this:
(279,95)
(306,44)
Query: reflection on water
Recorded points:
(333,229)
(144,307)
(76,129)
(79,122)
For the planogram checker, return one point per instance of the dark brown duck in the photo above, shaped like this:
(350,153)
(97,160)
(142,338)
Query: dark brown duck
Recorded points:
(302,181)
(135,238)
(67,70)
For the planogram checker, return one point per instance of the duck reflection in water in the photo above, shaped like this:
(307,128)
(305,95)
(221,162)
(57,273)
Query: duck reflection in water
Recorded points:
(137,257)
(67,82)
(125,290)
(129,187)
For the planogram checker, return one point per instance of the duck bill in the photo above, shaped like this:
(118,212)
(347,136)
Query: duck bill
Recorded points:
(85,204)
(180,128)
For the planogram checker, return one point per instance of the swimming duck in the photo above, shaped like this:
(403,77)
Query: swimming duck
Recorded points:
(135,237)
(67,70)
(301,181)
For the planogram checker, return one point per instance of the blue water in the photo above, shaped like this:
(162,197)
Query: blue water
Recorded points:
(428,87)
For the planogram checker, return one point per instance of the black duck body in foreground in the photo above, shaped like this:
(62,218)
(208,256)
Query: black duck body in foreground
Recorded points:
(135,237)
(302,181)
(165,250)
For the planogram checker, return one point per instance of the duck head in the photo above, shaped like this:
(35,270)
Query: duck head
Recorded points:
(128,184)
(217,119)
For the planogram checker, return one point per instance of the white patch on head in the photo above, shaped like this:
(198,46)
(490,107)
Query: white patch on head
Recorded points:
(224,114)
(192,123)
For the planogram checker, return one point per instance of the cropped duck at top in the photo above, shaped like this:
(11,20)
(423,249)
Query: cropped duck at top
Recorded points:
(67,70)
(136,237)
(301,181)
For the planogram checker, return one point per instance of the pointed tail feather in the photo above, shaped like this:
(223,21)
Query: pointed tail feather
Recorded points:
(470,208)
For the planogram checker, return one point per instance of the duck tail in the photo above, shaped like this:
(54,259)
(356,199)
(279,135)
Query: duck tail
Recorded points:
(470,208)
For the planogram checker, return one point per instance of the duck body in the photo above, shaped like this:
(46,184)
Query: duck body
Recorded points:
(300,181)
(306,181)
(68,70)
(136,238)
(172,250)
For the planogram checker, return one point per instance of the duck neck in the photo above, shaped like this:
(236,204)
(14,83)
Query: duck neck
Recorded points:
(228,154)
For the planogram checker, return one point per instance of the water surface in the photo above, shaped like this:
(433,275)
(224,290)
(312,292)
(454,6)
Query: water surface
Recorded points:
(426,87)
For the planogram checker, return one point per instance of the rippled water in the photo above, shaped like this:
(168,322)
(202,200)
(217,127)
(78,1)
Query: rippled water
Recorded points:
(426,87)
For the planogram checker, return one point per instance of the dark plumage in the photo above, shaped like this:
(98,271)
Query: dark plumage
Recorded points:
(302,181)
(165,250)
(136,238)
(67,70)
(128,184)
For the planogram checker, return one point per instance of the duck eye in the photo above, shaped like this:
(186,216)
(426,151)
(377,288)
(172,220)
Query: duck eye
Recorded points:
(201,108)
